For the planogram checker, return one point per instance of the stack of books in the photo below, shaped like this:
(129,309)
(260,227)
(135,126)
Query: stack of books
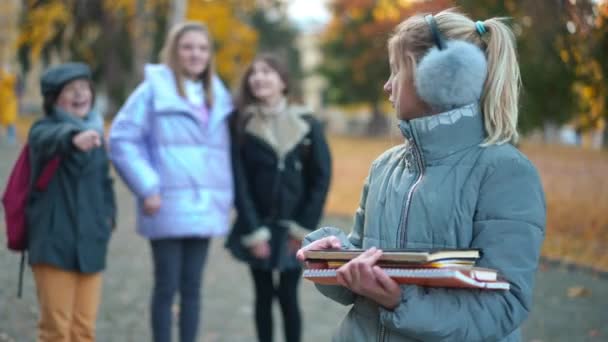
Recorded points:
(453,268)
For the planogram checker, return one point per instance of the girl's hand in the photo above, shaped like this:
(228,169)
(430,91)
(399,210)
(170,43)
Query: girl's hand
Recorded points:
(330,242)
(152,204)
(362,276)
(261,250)
(87,140)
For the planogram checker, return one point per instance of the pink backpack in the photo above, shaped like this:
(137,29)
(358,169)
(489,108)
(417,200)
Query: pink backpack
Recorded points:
(16,195)
(14,201)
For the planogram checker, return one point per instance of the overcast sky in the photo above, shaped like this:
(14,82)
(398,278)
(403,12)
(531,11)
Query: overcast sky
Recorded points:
(308,13)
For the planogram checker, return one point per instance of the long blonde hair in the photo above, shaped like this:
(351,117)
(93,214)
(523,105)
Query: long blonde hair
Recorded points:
(412,39)
(169,57)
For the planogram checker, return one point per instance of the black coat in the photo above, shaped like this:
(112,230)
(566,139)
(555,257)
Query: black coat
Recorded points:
(69,224)
(269,190)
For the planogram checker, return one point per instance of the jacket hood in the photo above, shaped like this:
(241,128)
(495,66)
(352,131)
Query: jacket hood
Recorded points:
(162,81)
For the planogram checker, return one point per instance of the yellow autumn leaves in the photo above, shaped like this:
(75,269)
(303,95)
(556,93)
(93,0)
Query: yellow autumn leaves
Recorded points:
(235,40)
(42,24)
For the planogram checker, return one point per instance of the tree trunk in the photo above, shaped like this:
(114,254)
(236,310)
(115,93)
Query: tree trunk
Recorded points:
(143,37)
(178,11)
(9,32)
(111,67)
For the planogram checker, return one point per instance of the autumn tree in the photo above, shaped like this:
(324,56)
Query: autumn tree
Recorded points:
(278,35)
(117,37)
(562,49)
(584,50)
(546,79)
(234,39)
(355,51)
(101,33)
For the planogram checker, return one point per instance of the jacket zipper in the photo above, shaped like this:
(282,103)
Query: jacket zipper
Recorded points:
(382,333)
(406,205)
(275,188)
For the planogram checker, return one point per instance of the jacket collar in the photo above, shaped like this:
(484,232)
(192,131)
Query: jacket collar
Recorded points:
(441,135)
(162,81)
(282,131)
(91,121)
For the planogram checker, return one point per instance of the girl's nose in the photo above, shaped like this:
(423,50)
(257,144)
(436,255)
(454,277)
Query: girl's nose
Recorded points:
(256,77)
(387,86)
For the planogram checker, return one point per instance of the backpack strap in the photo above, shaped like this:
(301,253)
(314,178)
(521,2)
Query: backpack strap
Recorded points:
(21,269)
(47,173)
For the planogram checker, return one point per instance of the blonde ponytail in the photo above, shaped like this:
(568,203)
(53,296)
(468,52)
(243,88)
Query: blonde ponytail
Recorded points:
(501,91)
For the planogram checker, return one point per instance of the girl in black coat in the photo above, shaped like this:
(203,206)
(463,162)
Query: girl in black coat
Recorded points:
(282,171)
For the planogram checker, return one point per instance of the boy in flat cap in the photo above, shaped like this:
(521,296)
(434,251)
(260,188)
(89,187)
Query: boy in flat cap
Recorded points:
(70,222)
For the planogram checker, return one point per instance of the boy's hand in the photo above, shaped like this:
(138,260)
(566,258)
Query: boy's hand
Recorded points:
(87,140)
(362,276)
(330,242)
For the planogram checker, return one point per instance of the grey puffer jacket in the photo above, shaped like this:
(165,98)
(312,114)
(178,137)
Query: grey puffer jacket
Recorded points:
(442,189)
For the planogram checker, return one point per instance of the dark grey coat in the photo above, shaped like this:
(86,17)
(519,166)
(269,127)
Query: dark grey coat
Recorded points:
(69,224)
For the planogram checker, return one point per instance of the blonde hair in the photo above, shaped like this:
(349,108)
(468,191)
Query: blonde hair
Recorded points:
(169,57)
(499,101)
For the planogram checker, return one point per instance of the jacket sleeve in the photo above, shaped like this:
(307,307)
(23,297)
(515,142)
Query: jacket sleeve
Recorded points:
(509,227)
(339,293)
(318,174)
(251,230)
(128,144)
(48,138)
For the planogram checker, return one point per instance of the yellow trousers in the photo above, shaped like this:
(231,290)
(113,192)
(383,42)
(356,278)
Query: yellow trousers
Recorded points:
(68,304)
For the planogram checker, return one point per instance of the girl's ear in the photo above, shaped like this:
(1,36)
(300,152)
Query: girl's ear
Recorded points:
(451,77)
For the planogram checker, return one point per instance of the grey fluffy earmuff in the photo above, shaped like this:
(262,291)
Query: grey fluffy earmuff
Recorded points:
(452,73)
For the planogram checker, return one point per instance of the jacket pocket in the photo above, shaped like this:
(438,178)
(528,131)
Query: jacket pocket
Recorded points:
(100,227)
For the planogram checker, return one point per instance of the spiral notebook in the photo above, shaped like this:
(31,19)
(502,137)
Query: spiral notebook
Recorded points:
(480,278)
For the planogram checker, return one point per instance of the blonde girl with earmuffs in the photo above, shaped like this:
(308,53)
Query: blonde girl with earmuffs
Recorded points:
(456,182)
